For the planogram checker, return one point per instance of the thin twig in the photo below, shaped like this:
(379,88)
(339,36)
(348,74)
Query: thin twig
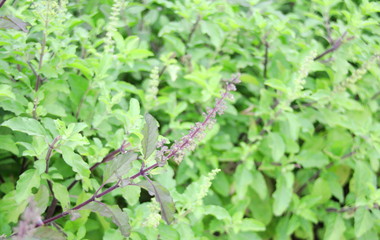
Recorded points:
(328,30)
(193,28)
(351,209)
(341,210)
(43,45)
(33,70)
(38,81)
(173,55)
(336,45)
(265,63)
(50,210)
(39,78)
(317,174)
(50,151)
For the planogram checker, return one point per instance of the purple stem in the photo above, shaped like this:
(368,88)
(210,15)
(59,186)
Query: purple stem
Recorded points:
(2,3)
(107,158)
(204,123)
(49,220)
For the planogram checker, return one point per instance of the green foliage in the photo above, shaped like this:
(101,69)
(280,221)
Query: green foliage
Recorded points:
(90,92)
(115,169)
(150,132)
(162,196)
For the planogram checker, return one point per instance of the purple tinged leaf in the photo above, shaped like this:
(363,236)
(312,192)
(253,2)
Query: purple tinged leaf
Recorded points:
(48,233)
(163,197)
(150,133)
(13,23)
(118,217)
(118,167)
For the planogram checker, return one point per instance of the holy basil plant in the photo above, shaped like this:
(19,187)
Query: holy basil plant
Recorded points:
(99,102)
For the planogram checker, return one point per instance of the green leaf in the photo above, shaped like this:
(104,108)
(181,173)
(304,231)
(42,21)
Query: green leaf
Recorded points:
(259,184)
(335,186)
(219,212)
(10,208)
(10,22)
(247,78)
(221,184)
(14,106)
(311,158)
(139,54)
(134,107)
(26,125)
(176,44)
(62,195)
(74,128)
(243,179)
(118,167)
(150,133)
(321,190)
(118,217)
(163,197)
(261,209)
(28,180)
(7,143)
(215,33)
(276,143)
(249,224)
(277,84)
(335,227)
(78,87)
(168,232)
(6,91)
(291,126)
(363,177)
(119,40)
(363,221)
(283,194)
(42,199)
(44,233)
(131,42)
(82,66)
(75,161)
(131,194)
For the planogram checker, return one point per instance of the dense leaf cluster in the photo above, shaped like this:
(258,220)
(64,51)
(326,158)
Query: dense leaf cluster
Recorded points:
(296,154)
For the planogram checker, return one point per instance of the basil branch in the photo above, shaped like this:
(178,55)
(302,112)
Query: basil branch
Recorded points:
(336,45)
(95,196)
(107,158)
(176,151)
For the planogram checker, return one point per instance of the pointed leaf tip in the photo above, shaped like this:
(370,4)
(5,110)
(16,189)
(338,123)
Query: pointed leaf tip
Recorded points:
(150,133)
(163,197)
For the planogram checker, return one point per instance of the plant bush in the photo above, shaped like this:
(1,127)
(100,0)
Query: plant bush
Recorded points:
(98,100)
